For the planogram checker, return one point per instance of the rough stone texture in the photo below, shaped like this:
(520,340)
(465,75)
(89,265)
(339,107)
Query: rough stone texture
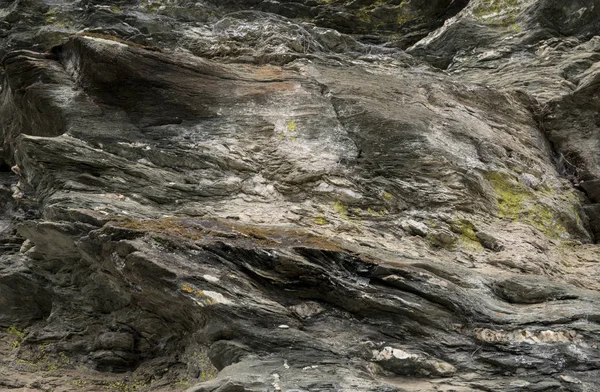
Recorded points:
(546,49)
(270,195)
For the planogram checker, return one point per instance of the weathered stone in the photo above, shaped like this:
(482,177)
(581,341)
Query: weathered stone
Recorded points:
(223,353)
(269,195)
(405,363)
(534,289)
(22,299)
(489,241)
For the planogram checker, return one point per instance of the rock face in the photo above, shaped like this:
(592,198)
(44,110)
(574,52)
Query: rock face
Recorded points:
(273,196)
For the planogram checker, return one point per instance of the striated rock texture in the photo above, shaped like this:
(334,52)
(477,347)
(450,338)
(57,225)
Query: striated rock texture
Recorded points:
(307,195)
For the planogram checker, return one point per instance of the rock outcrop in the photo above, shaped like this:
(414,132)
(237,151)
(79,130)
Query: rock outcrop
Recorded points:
(274,196)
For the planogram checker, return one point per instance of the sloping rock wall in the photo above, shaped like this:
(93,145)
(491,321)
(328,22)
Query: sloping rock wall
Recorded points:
(272,195)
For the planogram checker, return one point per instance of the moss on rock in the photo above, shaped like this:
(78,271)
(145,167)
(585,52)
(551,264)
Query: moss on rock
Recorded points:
(520,204)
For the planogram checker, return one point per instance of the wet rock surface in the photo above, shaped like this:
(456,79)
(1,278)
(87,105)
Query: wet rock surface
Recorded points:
(273,196)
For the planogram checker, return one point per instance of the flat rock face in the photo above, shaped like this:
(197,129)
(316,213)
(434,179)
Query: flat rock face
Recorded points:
(272,196)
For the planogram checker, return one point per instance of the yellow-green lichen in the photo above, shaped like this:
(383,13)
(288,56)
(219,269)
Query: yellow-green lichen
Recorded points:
(79,383)
(321,221)
(510,195)
(151,6)
(359,212)
(470,245)
(520,204)
(467,237)
(404,17)
(199,365)
(570,196)
(515,27)
(50,16)
(127,386)
(17,335)
(500,12)
(289,131)
(545,219)
(291,126)
(54,17)
(488,7)
(43,358)
(364,16)
(381,15)
(432,223)
(341,209)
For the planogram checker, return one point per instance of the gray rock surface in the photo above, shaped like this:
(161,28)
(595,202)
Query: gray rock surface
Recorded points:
(273,196)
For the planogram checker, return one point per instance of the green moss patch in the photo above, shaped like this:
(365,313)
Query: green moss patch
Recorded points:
(381,15)
(488,7)
(500,12)
(467,238)
(520,204)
